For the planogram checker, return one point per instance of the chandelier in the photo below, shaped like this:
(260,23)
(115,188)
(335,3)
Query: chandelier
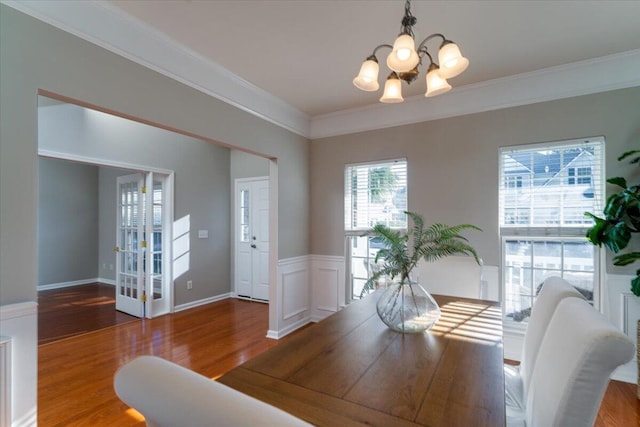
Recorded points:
(404,60)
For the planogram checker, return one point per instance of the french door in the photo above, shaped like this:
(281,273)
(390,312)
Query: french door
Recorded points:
(142,282)
(252,238)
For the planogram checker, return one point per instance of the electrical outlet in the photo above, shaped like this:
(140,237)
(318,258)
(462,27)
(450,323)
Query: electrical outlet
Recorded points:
(189,284)
(110,266)
(104,266)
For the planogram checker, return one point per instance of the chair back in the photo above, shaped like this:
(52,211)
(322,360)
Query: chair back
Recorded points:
(168,395)
(579,351)
(554,290)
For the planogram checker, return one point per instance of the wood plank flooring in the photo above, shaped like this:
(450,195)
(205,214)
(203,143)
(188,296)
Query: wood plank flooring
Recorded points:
(75,310)
(75,375)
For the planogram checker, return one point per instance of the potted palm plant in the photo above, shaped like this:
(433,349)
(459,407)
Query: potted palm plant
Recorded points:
(620,222)
(405,306)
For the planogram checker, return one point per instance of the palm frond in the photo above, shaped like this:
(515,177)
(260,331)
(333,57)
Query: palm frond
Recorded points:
(402,251)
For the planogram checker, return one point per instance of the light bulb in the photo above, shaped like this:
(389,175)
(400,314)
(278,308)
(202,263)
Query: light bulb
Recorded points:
(403,57)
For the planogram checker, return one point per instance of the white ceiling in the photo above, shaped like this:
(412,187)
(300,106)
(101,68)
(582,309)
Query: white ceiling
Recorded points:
(307,52)
(292,62)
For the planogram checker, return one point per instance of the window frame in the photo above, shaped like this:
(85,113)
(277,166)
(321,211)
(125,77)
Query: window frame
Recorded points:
(561,232)
(358,231)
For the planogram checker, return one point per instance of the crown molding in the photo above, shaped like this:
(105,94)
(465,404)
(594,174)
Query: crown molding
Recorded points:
(111,28)
(602,74)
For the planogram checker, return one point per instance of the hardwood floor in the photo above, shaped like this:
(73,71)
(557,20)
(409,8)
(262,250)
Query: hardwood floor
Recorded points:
(66,312)
(75,375)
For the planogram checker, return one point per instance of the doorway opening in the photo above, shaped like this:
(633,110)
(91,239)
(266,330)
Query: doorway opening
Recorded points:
(200,212)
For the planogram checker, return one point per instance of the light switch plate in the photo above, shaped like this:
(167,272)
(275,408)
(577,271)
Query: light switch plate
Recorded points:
(203,234)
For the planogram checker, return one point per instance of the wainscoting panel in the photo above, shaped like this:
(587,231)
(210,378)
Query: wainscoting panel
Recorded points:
(623,308)
(20,323)
(5,381)
(327,285)
(294,296)
(295,292)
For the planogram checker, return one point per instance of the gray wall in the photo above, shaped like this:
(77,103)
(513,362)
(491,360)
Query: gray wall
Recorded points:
(67,221)
(453,163)
(245,165)
(34,56)
(201,183)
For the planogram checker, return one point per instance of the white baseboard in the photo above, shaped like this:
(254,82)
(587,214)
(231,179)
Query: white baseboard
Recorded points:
(204,301)
(276,335)
(234,295)
(69,284)
(627,373)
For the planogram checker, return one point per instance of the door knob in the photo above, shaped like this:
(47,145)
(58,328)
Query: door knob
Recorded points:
(253,246)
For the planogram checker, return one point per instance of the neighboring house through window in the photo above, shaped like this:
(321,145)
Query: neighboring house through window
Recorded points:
(374,193)
(542,221)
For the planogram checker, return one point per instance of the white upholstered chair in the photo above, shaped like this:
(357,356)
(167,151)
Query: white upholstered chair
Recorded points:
(517,378)
(169,395)
(576,358)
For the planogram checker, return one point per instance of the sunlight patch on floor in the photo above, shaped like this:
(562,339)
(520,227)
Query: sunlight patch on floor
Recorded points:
(134,414)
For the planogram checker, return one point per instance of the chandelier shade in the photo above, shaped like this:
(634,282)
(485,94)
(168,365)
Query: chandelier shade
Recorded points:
(392,90)
(436,84)
(367,79)
(405,59)
(451,60)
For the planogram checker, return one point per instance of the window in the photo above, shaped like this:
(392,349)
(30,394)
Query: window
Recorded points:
(374,193)
(579,176)
(542,222)
(513,182)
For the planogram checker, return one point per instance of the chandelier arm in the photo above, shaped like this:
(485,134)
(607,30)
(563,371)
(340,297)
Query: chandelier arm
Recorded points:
(424,51)
(380,47)
(424,42)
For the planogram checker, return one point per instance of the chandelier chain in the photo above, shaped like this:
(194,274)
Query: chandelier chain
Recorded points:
(408,21)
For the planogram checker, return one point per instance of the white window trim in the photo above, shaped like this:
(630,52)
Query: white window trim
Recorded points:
(542,232)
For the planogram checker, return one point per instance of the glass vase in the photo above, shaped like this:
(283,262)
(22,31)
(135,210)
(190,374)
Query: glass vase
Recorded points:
(408,308)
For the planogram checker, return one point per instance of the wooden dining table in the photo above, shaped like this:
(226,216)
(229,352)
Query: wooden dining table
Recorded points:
(350,369)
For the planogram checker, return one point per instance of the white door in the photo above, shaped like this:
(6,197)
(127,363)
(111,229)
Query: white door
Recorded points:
(129,245)
(142,281)
(252,238)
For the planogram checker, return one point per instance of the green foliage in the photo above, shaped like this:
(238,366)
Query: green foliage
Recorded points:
(381,181)
(402,251)
(621,218)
